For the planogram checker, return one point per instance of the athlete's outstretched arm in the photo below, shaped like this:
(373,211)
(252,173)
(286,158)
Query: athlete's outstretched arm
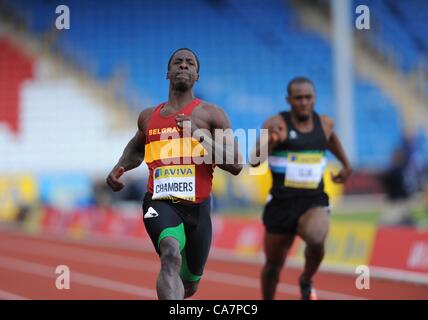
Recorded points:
(277,133)
(133,154)
(335,146)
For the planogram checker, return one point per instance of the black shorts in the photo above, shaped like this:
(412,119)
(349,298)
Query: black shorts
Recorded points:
(282,215)
(189,223)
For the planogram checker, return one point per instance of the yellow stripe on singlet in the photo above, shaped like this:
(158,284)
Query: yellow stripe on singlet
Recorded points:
(174,148)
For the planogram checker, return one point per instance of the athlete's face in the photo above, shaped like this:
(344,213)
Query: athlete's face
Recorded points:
(183,70)
(302,100)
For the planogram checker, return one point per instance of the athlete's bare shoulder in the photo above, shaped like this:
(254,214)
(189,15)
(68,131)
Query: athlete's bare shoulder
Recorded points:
(326,120)
(144,117)
(209,107)
(327,125)
(213,114)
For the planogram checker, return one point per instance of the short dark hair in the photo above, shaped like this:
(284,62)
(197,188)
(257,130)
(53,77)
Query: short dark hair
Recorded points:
(187,49)
(298,80)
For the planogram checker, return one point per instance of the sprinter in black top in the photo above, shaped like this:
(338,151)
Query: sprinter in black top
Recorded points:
(304,152)
(297,145)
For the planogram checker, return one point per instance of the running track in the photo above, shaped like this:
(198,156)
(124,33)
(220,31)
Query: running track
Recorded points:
(111,269)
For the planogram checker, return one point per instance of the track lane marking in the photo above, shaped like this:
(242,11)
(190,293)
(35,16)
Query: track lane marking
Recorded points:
(6,295)
(38,269)
(140,264)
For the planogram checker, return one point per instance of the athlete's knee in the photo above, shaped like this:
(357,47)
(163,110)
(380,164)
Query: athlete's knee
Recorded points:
(316,239)
(170,253)
(271,270)
(190,288)
(315,246)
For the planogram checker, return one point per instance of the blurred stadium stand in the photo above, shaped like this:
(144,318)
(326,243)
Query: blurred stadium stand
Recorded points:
(251,46)
(393,35)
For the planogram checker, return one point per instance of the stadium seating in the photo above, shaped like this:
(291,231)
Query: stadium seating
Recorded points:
(414,16)
(397,30)
(249,50)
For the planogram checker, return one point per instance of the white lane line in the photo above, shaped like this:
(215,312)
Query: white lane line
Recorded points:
(141,264)
(282,288)
(139,245)
(391,275)
(78,277)
(6,295)
(90,256)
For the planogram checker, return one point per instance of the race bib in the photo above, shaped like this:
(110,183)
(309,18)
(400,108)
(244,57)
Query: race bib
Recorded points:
(174,182)
(304,170)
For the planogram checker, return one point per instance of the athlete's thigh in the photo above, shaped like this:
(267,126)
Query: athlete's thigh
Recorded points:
(161,220)
(198,243)
(313,225)
(276,246)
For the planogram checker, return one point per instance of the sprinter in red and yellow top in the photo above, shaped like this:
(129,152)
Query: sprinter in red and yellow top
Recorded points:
(175,139)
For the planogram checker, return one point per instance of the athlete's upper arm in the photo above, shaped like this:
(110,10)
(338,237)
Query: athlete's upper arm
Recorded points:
(327,124)
(219,118)
(140,135)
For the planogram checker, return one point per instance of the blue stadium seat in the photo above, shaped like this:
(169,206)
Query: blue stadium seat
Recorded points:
(249,50)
